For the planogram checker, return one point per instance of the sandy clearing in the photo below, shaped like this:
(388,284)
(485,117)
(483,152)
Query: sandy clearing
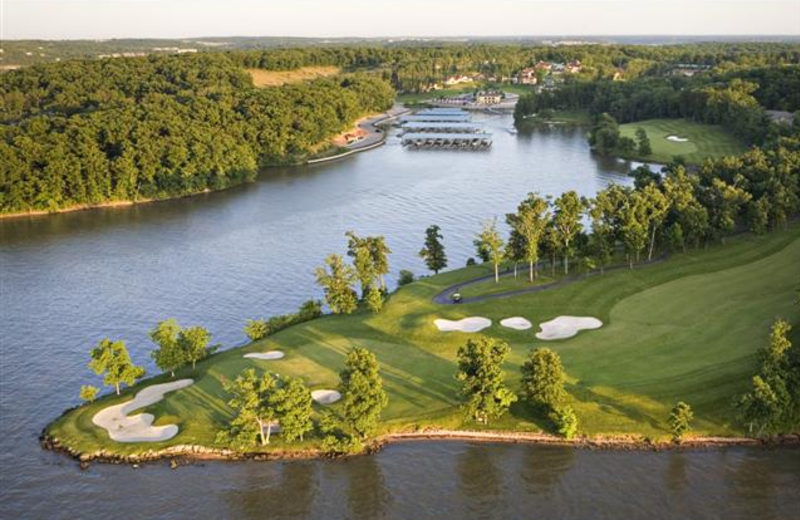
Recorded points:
(516,323)
(676,139)
(471,324)
(271,354)
(325,396)
(139,428)
(567,326)
(276,78)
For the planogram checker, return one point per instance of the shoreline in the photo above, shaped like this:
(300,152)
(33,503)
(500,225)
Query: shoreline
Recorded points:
(606,443)
(369,123)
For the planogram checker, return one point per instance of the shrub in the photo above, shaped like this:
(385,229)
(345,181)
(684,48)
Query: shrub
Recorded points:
(256,329)
(406,277)
(470,261)
(679,420)
(89,393)
(566,422)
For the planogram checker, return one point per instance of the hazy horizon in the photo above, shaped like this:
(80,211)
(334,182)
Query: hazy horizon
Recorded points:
(167,19)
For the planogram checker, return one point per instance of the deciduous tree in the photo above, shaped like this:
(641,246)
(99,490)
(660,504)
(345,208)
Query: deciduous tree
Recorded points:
(363,397)
(480,371)
(111,358)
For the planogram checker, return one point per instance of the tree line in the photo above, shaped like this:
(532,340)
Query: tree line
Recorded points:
(735,101)
(89,132)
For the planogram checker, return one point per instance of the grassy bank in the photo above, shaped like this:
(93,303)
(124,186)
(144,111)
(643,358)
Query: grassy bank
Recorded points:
(685,329)
(702,141)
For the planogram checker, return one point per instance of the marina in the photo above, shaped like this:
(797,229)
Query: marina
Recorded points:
(444,128)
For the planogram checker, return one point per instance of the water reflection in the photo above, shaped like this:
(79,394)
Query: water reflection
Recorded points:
(544,467)
(675,477)
(279,490)
(367,493)
(481,479)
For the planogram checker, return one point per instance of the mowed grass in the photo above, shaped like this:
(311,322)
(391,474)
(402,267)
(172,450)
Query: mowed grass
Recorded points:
(685,329)
(704,141)
(276,78)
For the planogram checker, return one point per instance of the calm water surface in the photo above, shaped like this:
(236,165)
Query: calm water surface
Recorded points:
(216,260)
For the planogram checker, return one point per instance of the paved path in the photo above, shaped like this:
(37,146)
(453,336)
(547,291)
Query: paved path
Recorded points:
(445,296)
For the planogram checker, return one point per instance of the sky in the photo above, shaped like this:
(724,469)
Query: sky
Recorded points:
(92,19)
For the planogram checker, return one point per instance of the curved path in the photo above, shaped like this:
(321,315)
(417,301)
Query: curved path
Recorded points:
(445,296)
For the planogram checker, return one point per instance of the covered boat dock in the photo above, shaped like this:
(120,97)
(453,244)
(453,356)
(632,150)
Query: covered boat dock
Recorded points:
(458,141)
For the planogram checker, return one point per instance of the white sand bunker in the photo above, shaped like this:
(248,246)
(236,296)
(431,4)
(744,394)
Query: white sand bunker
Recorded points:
(325,396)
(567,326)
(472,324)
(272,354)
(139,428)
(676,139)
(517,323)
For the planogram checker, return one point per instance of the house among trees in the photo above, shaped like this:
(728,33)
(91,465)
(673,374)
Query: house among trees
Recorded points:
(457,79)
(527,76)
(688,69)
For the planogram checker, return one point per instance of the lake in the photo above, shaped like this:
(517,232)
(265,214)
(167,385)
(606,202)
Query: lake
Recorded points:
(218,259)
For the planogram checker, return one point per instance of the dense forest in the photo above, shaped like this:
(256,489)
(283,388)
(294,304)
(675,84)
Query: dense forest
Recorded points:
(737,100)
(84,132)
(89,132)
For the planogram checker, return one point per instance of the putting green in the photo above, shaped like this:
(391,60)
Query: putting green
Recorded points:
(685,329)
(703,141)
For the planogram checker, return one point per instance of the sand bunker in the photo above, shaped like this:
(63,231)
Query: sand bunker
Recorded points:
(272,354)
(517,323)
(325,396)
(472,324)
(139,428)
(567,326)
(676,139)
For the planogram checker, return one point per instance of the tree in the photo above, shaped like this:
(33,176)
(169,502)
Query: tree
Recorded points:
(193,342)
(89,393)
(256,329)
(363,397)
(380,258)
(433,252)
(363,261)
(656,206)
(169,357)
(255,411)
(531,222)
(679,419)
(483,391)
(543,379)
(635,224)
(112,359)
(339,293)
(604,136)
(773,402)
(374,300)
(292,403)
(645,149)
(489,241)
(567,222)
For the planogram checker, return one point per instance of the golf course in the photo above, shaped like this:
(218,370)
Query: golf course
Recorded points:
(682,329)
(681,137)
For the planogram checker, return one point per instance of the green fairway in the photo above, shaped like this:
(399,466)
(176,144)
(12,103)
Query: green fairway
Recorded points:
(703,141)
(685,329)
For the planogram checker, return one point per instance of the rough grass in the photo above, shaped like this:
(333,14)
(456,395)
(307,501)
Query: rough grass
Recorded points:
(705,141)
(276,78)
(685,329)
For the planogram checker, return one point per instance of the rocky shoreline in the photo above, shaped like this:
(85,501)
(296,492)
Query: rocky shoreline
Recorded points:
(621,443)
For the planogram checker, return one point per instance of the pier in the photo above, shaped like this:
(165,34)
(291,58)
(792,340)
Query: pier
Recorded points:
(444,128)
(453,141)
